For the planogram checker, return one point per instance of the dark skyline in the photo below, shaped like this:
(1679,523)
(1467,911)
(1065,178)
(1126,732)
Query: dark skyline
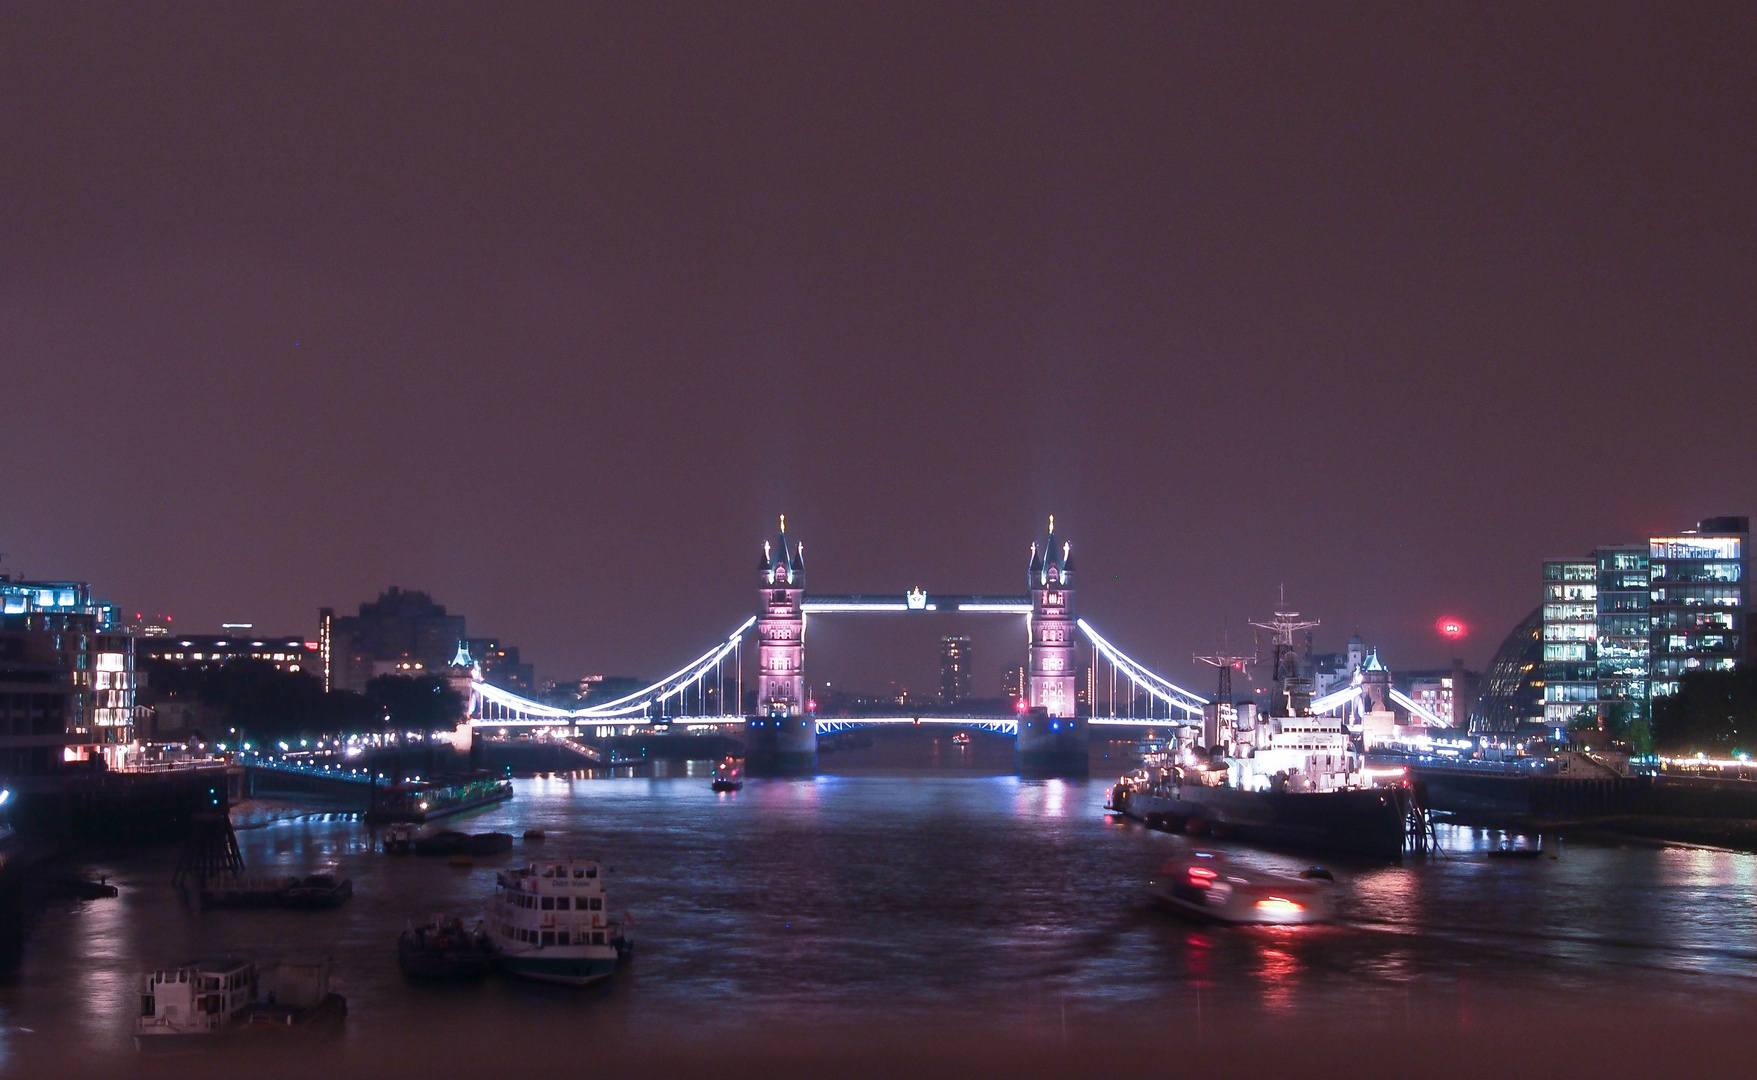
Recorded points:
(549,311)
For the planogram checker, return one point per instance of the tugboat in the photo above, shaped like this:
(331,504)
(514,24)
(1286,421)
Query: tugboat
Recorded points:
(1209,887)
(548,921)
(728,775)
(444,949)
(1293,780)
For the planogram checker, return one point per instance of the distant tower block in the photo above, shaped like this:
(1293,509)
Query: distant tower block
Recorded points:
(1052,668)
(782,736)
(1052,740)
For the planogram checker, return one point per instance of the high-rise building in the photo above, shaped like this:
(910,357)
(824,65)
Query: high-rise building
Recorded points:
(67,679)
(400,633)
(1013,682)
(195,650)
(1570,642)
(1698,598)
(1623,635)
(1623,627)
(954,670)
(501,666)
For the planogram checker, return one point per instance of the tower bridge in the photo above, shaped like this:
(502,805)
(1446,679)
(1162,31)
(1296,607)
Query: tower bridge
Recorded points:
(1051,726)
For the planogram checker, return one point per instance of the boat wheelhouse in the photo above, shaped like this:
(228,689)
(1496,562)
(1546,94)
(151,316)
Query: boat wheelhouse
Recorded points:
(200,998)
(550,921)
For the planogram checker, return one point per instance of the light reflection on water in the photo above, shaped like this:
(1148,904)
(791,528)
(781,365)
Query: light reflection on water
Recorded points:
(839,896)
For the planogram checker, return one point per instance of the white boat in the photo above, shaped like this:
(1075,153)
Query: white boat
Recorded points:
(549,921)
(204,999)
(200,999)
(1210,886)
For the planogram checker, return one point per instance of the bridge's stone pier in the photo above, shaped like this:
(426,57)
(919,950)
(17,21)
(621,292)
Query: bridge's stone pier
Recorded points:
(782,738)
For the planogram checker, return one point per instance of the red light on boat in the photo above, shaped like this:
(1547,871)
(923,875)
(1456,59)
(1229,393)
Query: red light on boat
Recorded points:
(1450,628)
(1202,873)
(1279,904)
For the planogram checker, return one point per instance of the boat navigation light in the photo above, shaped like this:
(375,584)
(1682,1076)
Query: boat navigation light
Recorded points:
(1202,874)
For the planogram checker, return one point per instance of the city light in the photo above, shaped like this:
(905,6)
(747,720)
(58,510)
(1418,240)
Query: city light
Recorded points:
(1451,628)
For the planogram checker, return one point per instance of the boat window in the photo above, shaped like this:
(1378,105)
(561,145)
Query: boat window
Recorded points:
(579,871)
(549,903)
(548,871)
(146,1005)
(183,976)
(591,871)
(548,937)
(597,937)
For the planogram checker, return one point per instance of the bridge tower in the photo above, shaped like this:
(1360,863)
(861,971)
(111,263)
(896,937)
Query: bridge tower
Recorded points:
(1052,739)
(782,737)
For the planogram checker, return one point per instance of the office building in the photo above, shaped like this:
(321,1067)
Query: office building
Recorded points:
(1624,630)
(1570,642)
(501,666)
(67,680)
(400,633)
(1013,682)
(1512,698)
(954,670)
(1698,599)
(1625,626)
(194,650)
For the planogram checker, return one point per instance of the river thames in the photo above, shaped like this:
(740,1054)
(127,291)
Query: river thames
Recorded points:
(890,900)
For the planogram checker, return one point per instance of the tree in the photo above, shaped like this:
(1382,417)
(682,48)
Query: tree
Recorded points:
(1713,712)
(425,703)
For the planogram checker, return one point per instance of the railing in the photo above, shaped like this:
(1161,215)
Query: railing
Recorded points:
(257,761)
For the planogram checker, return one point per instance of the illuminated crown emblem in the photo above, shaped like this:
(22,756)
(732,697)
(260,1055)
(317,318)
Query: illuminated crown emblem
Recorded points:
(917,599)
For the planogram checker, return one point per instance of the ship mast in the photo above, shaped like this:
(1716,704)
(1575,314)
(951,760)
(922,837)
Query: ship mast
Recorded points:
(1293,683)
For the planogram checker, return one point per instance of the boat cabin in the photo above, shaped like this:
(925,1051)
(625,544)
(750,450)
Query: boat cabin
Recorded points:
(200,997)
(559,903)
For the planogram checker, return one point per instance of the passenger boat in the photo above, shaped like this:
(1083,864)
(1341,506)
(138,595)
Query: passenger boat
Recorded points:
(444,949)
(549,921)
(728,775)
(197,1000)
(1209,886)
(207,999)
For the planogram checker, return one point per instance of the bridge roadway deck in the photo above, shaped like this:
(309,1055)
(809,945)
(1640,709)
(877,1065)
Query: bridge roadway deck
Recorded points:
(825,724)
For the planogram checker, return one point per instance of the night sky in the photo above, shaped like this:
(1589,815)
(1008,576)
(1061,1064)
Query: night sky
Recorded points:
(550,310)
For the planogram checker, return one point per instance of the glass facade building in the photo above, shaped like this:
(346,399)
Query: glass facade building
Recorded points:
(1698,595)
(1570,642)
(1513,686)
(1623,632)
(67,680)
(1623,627)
